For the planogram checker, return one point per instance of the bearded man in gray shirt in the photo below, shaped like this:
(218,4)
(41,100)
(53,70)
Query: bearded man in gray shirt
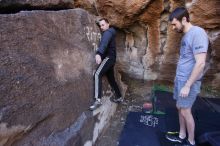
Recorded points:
(189,72)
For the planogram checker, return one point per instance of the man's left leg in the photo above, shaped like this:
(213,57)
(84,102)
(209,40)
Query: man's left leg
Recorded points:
(185,104)
(111,79)
(182,123)
(190,124)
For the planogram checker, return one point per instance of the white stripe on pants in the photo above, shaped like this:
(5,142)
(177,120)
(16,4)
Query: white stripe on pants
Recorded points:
(97,76)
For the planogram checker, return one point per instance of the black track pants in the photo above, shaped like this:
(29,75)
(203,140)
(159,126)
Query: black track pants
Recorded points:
(105,68)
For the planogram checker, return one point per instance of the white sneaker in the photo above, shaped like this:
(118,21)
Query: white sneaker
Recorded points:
(118,100)
(96,104)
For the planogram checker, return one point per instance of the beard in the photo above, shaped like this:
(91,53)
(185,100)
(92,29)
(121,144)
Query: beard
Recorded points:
(180,30)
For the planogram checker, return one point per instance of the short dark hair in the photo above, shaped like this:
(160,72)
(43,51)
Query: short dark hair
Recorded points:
(179,13)
(105,19)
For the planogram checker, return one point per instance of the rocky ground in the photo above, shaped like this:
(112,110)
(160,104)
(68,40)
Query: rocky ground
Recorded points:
(138,93)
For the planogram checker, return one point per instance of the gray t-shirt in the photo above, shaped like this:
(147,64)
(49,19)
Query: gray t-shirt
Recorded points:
(195,41)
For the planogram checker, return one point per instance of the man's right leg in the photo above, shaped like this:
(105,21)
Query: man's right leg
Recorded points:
(181,135)
(101,70)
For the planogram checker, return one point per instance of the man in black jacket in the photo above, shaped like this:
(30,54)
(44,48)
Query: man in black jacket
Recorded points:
(105,58)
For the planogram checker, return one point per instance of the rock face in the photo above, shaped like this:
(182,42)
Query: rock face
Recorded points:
(47,64)
(210,20)
(131,15)
(206,15)
(36,2)
(149,48)
(8,6)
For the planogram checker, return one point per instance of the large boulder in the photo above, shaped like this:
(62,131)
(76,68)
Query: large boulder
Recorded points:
(148,47)
(46,75)
(37,3)
(12,6)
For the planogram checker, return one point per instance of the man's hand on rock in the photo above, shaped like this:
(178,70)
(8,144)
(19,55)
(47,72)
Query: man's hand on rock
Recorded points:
(98,59)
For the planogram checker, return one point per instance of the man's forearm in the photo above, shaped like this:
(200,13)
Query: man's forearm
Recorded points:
(197,70)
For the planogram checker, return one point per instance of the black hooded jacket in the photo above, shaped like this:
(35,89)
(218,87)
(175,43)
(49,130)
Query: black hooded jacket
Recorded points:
(107,46)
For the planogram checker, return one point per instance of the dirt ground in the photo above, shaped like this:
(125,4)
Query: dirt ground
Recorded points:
(138,93)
